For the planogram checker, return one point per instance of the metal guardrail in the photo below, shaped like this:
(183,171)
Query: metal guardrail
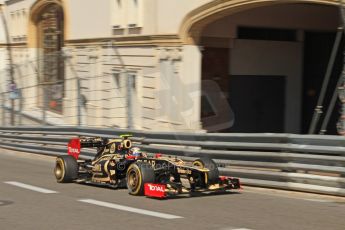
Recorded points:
(309,163)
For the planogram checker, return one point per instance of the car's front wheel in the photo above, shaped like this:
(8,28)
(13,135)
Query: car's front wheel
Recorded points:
(138,174)
(212,176)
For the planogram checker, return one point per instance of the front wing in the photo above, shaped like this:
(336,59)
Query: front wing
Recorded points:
(164,190)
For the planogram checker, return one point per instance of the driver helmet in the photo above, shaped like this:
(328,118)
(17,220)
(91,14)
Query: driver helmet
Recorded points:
(135,151)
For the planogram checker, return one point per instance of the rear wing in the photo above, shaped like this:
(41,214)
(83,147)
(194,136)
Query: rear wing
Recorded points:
(76,144)
(91,142)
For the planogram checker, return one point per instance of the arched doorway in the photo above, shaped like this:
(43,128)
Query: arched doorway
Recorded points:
(269,59)
(50,40)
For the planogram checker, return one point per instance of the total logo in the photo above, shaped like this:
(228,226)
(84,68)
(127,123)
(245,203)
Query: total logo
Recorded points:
(73,150)
(158,188)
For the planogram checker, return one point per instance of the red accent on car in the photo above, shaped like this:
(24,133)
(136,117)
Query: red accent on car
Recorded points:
(158,155)
(131,157)
(73,148)
(223,178)
(155,190)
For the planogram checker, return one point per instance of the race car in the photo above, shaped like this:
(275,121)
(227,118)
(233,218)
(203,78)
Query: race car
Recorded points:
(118,164)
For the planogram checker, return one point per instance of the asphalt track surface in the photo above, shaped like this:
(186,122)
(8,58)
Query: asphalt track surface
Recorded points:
(30,198)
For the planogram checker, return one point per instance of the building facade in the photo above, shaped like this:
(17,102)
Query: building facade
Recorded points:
(214,65)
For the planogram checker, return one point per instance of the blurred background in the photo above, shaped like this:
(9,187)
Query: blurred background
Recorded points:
(173,65)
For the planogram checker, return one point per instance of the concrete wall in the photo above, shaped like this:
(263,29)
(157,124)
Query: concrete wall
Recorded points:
(105,93)
(3,58)
(2,30)
(167,86)
(94,19)
(190,89)
(17,18)
(3,61)
(270,58)
(156,67)
(89,19)
(151,16)
(170,13)
(178,92)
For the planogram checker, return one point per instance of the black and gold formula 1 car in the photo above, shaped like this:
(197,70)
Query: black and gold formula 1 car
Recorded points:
(117,164)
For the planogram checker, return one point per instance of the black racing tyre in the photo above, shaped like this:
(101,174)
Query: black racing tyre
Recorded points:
(213,174)
(66,169)
(138,174)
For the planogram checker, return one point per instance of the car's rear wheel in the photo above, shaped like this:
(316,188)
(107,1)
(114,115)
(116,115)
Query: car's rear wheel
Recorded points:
(66,169)
(138,174)
(212,176)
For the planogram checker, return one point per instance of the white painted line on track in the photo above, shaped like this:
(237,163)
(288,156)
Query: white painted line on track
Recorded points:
(231,228)
(241,229)
(130,209)
(30,187)
(320,201)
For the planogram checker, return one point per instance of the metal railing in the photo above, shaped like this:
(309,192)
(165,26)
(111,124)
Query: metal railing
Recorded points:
(308,163)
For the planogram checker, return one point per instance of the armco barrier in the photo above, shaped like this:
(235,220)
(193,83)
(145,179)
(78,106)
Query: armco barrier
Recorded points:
(309,163)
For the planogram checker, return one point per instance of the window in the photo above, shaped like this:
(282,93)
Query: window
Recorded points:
(133,13)
(12,24)
(51,39)
(18,24)
(24,23)
(126,14)
(118,14)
